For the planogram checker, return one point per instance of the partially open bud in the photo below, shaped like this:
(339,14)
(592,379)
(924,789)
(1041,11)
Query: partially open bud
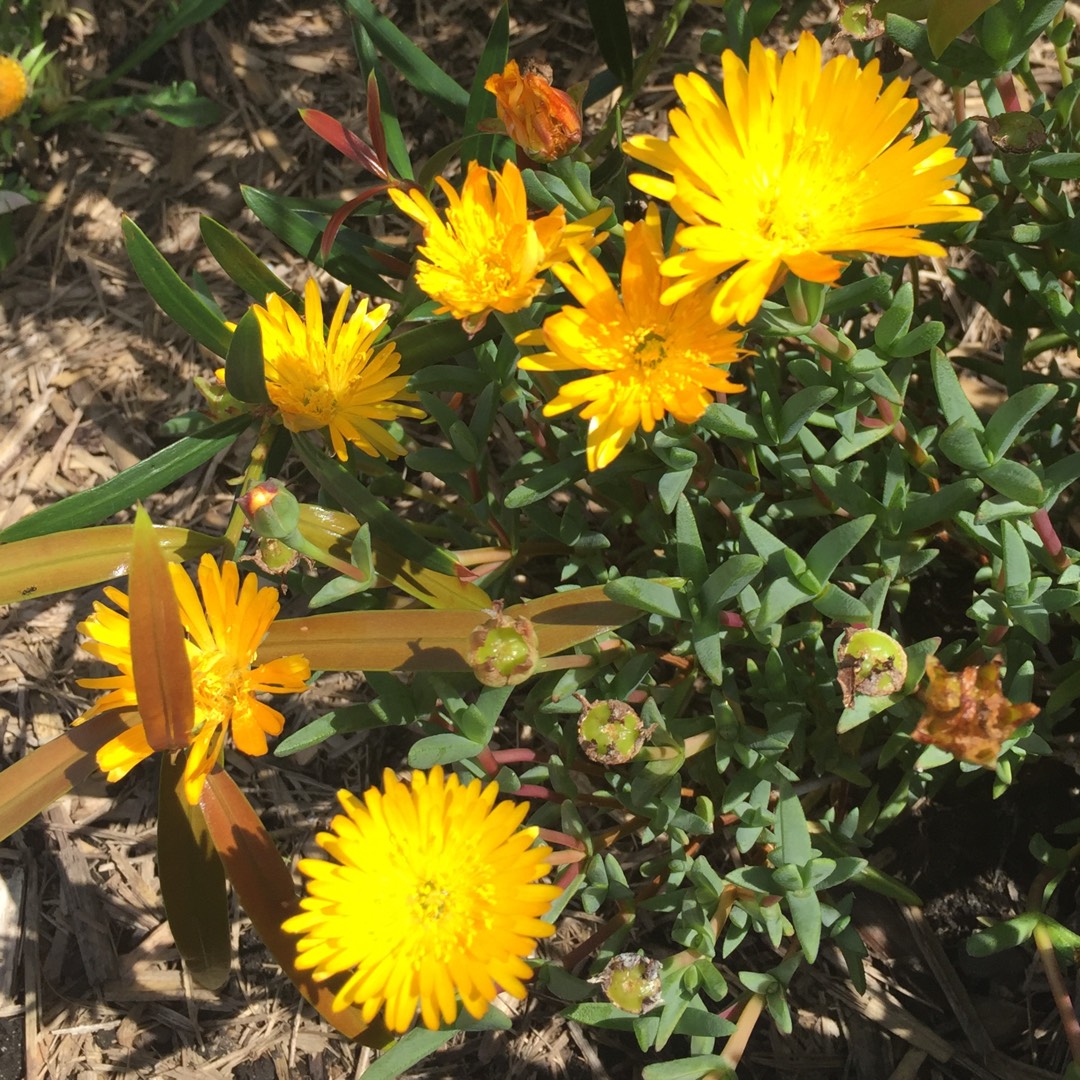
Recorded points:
(272,510)
(631,982)
(967,714)
(610,732)
(503,650)
(870,663)
(543,121)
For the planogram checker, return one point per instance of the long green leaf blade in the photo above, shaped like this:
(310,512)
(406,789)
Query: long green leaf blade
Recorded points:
(126,488)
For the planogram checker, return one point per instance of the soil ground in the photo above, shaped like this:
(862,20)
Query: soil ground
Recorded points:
(89,982)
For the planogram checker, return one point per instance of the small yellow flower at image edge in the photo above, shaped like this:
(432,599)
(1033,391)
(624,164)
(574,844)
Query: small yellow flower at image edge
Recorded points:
(431,894)
(224,632)
(14,86)
(341,379)
(647,359)
(798,168)
(488,254)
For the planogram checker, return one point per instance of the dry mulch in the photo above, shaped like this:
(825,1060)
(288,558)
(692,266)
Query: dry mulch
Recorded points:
(89,981)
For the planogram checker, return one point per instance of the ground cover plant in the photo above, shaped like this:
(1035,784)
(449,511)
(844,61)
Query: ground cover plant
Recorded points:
(643,484)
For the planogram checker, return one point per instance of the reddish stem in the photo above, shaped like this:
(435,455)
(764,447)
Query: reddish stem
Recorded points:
(514,755)
(1041,523)
(1006,87)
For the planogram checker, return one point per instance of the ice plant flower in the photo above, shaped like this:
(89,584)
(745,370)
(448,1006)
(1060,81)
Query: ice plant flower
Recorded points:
(13,86)
(431,893)
(648,358)
(224,631)
(798,168)
(543,121)
(342,380)
(487,254)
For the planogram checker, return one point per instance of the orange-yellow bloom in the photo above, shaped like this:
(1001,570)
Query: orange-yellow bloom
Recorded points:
(342,380)
(648,358)
(431,893)
(13,86)
(543,121)
(798,168)
(224,632)
(488,254)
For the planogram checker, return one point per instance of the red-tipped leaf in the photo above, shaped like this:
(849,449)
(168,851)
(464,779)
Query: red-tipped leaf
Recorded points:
(341,138)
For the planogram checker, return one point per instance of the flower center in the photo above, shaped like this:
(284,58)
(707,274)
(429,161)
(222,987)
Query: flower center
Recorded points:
(320,403)
(218,683)
(649,349)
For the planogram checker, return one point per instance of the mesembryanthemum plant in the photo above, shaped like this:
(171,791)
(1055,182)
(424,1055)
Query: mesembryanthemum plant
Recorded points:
(689,632)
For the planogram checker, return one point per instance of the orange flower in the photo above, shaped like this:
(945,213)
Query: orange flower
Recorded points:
(13,86)
(543,121)
(966,713)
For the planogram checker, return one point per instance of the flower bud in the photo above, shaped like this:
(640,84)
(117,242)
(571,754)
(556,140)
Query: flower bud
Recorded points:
(631,982)
(503,650)
(610,732)
(543,121)
(271,509)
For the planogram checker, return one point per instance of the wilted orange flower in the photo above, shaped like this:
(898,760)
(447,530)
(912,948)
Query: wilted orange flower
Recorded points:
(543,121)
(966,713)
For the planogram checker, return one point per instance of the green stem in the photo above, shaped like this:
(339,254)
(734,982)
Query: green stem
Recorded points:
(253,474)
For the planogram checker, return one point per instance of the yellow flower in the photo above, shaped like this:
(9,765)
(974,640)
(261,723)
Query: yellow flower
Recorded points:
(224,633)
(488,254)
(13,86)
(341,380)
(543,121)
(799,161)
(434,894)
(650,359)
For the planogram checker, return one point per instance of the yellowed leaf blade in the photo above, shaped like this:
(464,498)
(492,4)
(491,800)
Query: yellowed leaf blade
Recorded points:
(333,531)
(563,620)
(948,19)
(192,881)
(435,640)
(45,565)
(265,889)
(421,640)
(39,779)
(159,663)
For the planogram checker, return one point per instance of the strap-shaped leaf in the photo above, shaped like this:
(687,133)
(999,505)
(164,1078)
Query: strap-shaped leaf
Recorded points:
(265,890)
(415,66)
(612,32)
(192,881)
(46,565)
(159,663)
(481,101)
(127,488)
(179,301)
(351,260)
(39,779)
(242,264)
(356,498)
